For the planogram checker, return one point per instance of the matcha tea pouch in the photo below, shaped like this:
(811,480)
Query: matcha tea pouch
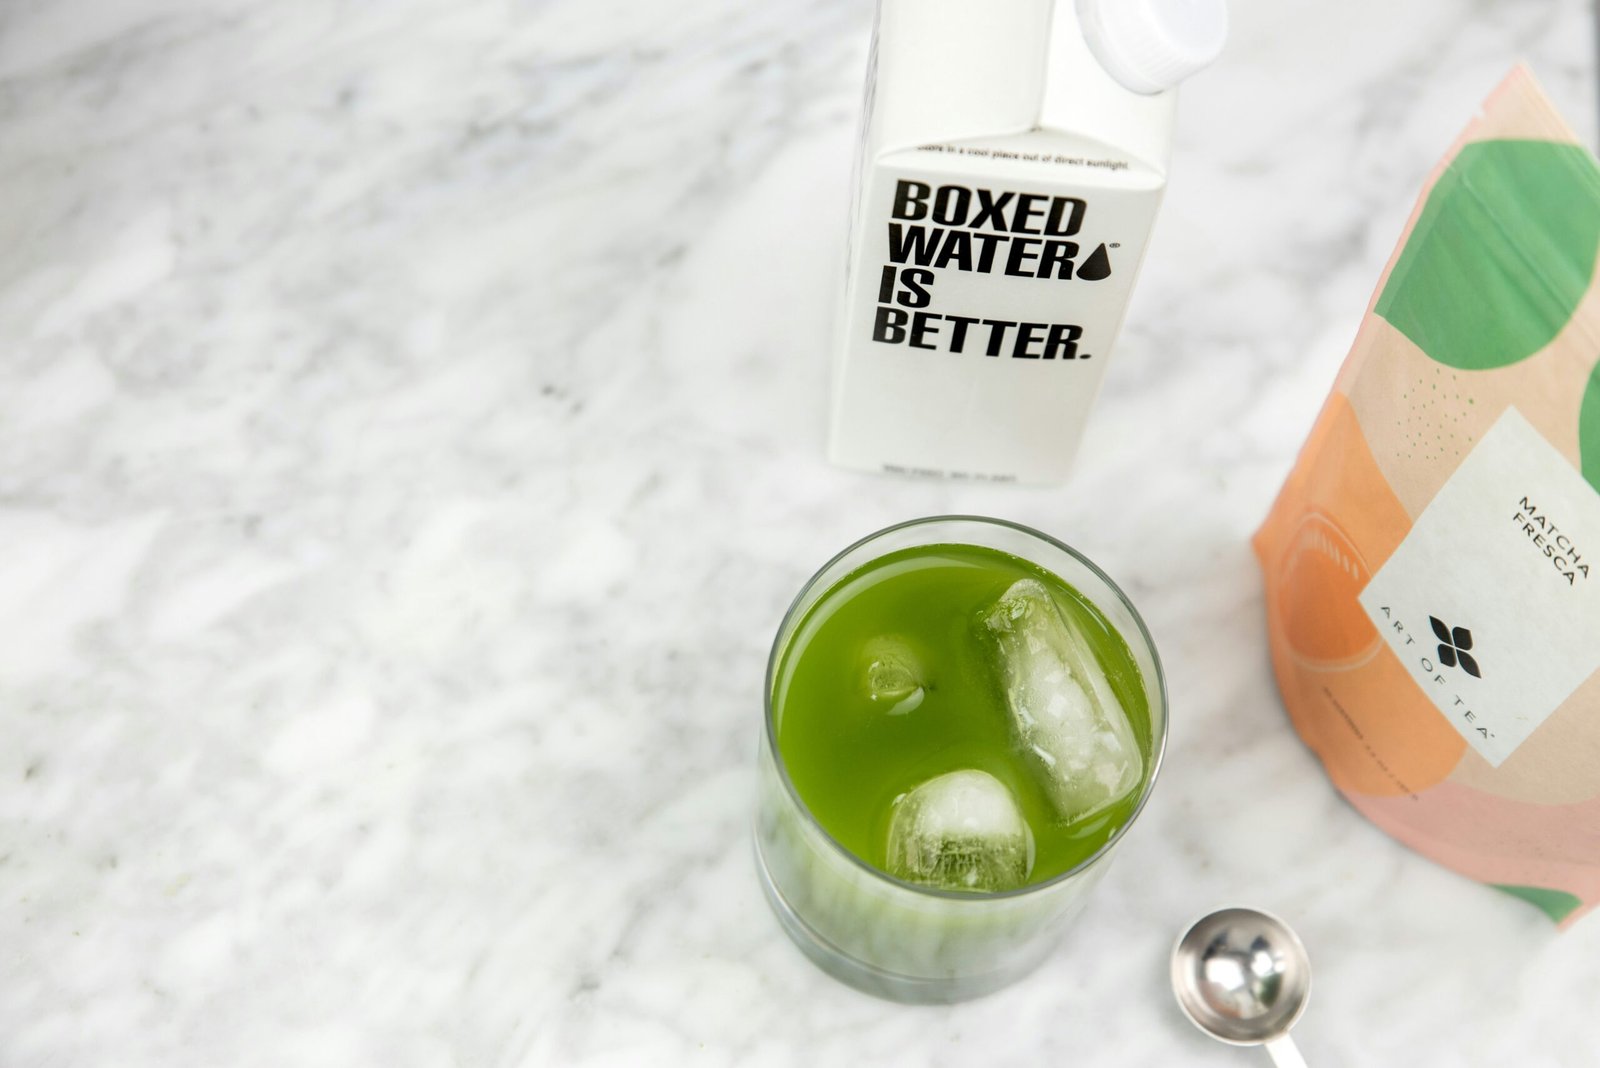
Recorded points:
(1432,564)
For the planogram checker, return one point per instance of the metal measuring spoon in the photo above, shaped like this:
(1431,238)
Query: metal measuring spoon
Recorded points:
(1243,977)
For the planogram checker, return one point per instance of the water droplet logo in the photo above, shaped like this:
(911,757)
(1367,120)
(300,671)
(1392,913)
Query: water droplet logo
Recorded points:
(1096,267)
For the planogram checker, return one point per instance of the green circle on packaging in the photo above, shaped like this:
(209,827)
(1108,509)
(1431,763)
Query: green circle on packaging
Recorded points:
(1589,430)
(1501,255)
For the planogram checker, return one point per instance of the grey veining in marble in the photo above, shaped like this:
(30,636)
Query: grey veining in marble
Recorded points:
(410,429)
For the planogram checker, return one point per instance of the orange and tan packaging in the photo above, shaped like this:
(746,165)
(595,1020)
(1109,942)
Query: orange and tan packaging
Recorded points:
(1432,563)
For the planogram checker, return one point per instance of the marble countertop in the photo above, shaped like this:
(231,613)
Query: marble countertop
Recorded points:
(410,437)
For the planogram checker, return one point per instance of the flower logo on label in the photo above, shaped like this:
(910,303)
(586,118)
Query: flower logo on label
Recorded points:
(1453,645)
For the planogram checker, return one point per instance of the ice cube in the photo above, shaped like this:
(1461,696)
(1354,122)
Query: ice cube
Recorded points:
(960,831)
(1070,725)
(893,676)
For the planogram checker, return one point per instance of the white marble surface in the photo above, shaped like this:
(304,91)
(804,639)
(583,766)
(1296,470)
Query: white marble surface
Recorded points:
(410,424)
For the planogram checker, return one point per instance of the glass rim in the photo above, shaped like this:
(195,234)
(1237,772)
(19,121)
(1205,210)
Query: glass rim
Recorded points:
(1158,740)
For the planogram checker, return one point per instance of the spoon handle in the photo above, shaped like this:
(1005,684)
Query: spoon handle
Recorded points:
(1284,1053)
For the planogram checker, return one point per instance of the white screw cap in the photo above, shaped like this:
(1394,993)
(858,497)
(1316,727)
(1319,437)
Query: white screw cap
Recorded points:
(1151,45)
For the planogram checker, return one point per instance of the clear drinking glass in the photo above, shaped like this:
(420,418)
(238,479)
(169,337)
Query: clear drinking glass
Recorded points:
(892,938)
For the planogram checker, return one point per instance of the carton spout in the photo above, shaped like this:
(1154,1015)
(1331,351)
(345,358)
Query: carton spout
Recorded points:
(1083,97)
(1149,46)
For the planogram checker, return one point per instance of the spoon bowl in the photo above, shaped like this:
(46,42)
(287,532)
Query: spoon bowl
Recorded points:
(1241,976)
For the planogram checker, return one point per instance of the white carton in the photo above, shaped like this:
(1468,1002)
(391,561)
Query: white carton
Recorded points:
(1006,188)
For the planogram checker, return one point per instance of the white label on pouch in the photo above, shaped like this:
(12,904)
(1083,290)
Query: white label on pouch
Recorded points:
(1490,602)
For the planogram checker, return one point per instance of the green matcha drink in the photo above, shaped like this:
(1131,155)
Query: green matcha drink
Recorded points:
(963,717)
(915,717)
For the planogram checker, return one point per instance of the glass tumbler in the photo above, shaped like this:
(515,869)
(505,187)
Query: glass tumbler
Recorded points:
(896,939)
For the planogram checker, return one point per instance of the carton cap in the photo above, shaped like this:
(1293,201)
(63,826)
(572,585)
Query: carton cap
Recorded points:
(1152,45)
